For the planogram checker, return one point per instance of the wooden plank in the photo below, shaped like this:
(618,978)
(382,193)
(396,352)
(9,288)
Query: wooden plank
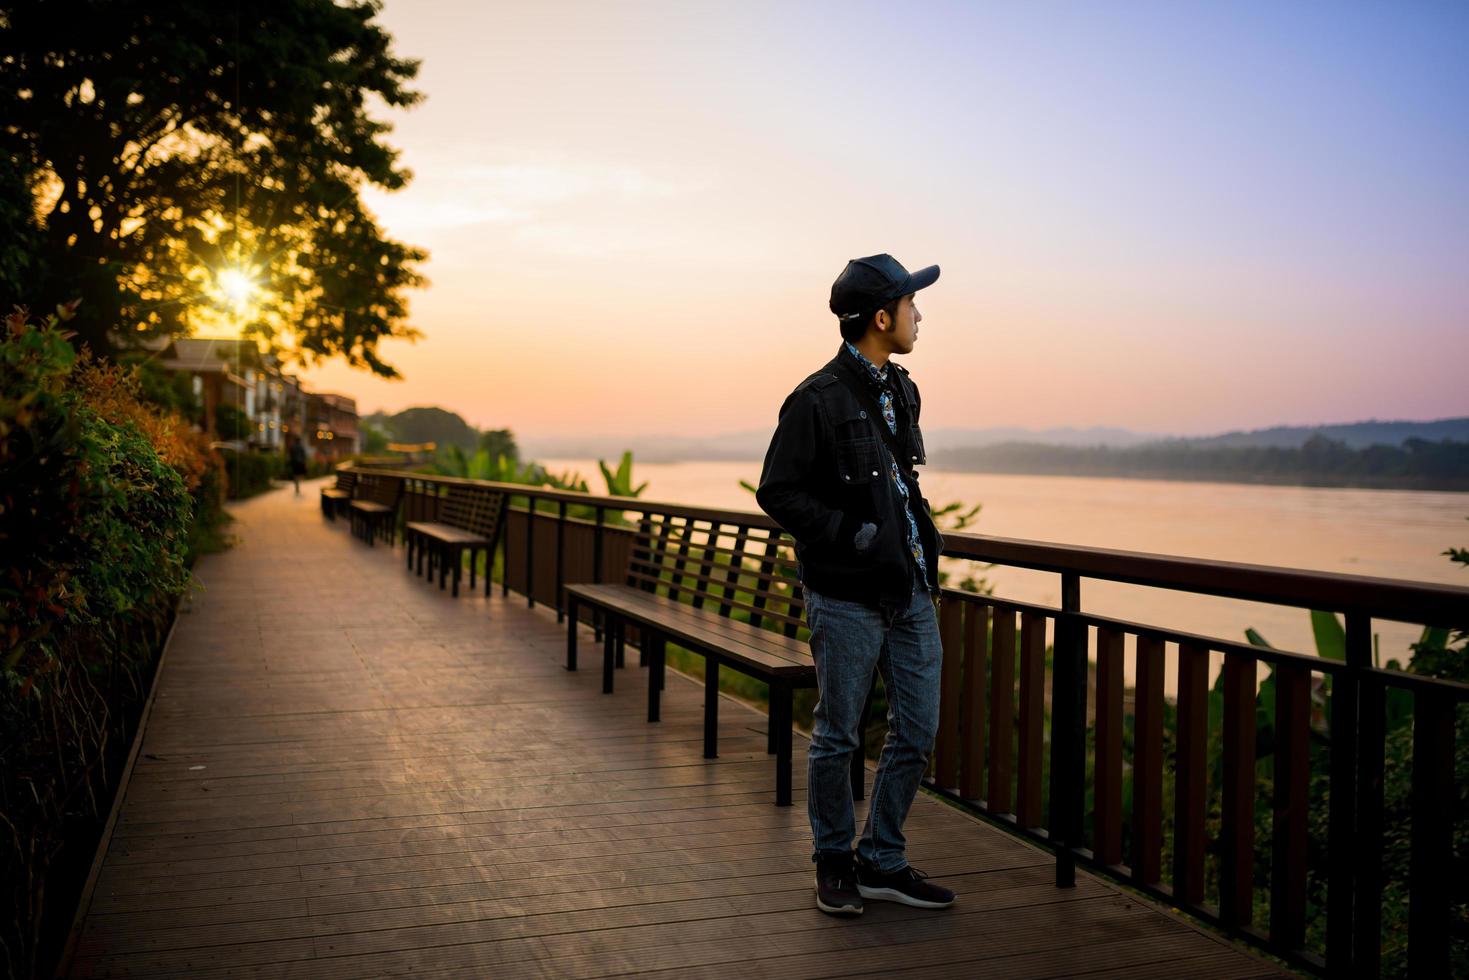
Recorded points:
(369,805)
(1146,856)
(1429,894)
(1237,836)
(1002,712)
(1190,774)
(1032,713)
(1107,814)
(946,749)
(976,660)
(1289,825)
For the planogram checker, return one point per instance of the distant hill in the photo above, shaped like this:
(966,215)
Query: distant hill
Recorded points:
(1418,464)
(1357,435)
(942,443)
(426,424)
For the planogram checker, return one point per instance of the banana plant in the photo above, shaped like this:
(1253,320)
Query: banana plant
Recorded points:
(1330,637)
(619,484)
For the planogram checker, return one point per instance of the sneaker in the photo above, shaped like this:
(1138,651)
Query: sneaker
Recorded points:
(907,885)
(836,887)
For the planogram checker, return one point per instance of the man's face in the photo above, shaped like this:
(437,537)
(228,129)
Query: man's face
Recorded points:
(902,330)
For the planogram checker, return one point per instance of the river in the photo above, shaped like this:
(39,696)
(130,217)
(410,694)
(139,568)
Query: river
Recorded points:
(1397,534)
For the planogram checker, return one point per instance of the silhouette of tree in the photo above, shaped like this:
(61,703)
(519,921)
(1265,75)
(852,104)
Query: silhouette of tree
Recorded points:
(153,150)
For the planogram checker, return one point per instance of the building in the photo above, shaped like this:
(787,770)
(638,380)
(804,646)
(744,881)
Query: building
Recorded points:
(247,400)
(331,425)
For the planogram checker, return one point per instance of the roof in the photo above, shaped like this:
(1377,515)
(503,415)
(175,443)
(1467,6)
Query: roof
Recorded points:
(208,355)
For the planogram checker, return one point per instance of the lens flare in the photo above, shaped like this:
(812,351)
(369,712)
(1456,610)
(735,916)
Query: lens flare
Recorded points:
(237,286)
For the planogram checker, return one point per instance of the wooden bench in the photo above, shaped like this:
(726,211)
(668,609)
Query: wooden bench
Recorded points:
(685,584)
(470,519)
(374,506)
(334,500)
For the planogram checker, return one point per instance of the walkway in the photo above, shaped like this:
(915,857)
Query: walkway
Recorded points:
(349,774)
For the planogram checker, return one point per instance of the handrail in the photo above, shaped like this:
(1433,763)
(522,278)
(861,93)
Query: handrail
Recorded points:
(1402,600)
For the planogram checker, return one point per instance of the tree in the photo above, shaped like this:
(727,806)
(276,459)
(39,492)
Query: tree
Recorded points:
(499,442)
(171,152)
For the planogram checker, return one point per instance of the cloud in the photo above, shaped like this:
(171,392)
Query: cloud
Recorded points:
(519,191)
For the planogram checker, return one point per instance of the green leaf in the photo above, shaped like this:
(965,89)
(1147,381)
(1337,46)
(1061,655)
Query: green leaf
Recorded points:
(1331,636)
(1433,638)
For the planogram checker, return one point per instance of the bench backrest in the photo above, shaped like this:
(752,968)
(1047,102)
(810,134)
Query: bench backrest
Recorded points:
(377,489)
(473,509)
(741,572)
(346,480)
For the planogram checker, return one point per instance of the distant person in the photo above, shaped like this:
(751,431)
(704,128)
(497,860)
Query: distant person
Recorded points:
(839,478)
(297,456)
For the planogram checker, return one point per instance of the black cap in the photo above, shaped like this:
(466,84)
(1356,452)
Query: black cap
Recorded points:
(869,283)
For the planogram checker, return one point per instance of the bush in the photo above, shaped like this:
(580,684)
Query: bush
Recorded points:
(249,473)
(96,517)
(232,423)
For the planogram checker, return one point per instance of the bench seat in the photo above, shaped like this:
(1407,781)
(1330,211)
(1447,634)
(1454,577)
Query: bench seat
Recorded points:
(334,499)
(469,519)
(446,532)
(774,656)
(374,506)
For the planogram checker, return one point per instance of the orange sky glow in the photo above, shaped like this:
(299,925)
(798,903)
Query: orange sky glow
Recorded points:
(1173,220)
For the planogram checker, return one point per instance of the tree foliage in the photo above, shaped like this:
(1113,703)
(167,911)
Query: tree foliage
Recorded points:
(159,148)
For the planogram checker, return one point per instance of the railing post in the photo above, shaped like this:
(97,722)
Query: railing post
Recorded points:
(505,551)
(530,551)
(1341,834)
(1367,855)
(1430,893)
(1068,731)
(597,549)
(560,558)
(597,564)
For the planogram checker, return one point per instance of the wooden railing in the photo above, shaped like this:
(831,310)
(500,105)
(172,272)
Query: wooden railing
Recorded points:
(1327,729)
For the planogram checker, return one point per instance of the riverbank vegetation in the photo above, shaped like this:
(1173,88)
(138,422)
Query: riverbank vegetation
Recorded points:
(1416,464)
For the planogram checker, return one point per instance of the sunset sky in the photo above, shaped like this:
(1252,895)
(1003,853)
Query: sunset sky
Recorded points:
(1180,218)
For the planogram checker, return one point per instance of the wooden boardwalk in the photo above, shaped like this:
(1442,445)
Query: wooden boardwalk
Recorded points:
(346,773)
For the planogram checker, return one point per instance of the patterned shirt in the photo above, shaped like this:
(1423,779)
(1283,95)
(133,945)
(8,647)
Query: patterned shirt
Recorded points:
(915,543)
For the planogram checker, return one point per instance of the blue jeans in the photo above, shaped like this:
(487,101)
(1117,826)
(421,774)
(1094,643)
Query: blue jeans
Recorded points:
(849,640)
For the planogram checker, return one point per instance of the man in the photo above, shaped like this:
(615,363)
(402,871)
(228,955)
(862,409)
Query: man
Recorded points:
(297,458)
(839,478)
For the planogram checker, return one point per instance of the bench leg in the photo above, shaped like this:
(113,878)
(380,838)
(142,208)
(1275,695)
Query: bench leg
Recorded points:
(609,652)
(443,566)
(770,725)
(489,569)
(859,755)
(570,631)
(458,554)
(711,706)
(653,644)
(780,718)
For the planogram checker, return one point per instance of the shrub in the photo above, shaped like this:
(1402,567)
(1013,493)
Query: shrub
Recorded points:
(249,473)
(95,522)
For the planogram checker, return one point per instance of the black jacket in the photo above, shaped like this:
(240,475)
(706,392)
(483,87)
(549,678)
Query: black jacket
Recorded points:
(826,473)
